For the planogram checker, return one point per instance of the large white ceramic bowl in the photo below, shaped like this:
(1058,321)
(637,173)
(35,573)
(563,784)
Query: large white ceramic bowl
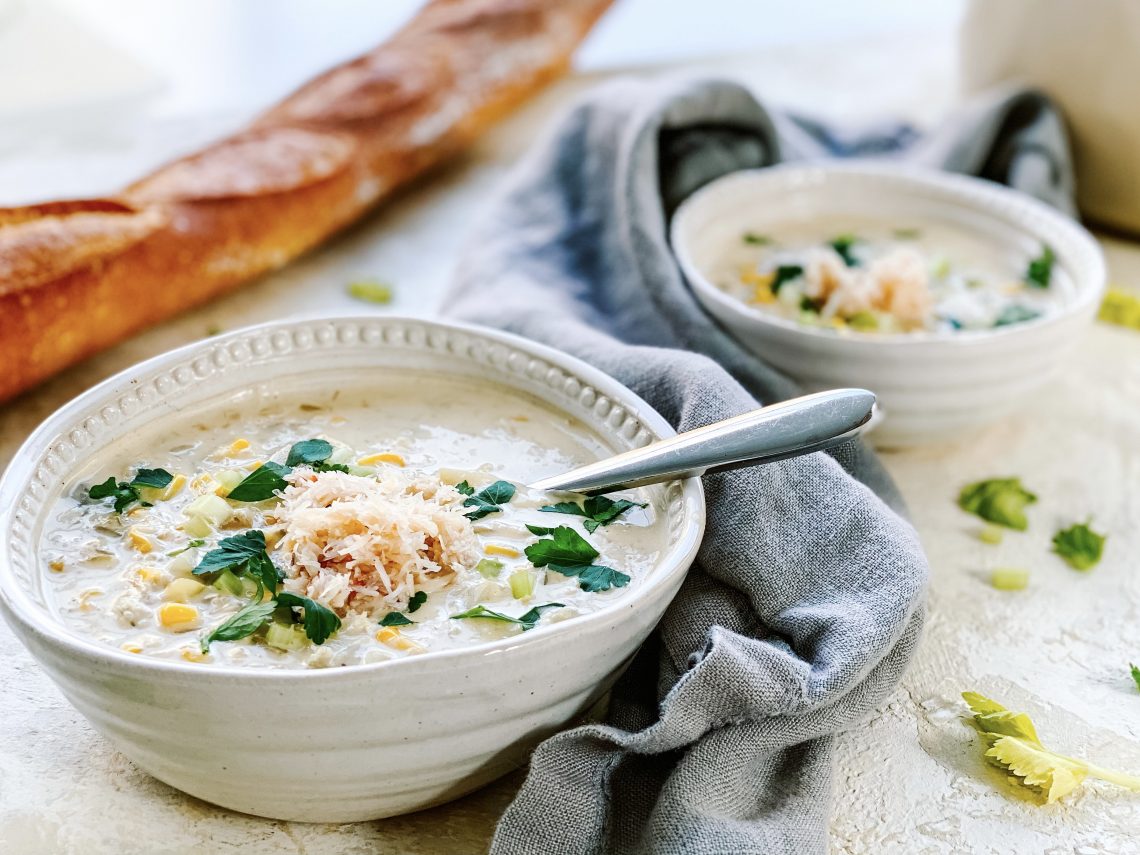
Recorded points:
(930,386)
(353,743)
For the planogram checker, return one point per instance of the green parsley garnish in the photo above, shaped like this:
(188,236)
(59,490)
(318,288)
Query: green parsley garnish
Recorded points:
(126,493)
(1015,314)
(755,239)
(370,291)
(568,553)
(394,619)
(1079,545)
(998,500)
(264,482)
(1135,674)
(842,245)
(315,454)
(1040,269)
(240,625)
(527,620)
(398,619)
(319,621)
(785,273)
(243,555)
(489,500)
(598,510)
(267,480)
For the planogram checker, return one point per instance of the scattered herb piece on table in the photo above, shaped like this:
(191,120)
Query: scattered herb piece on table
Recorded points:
(1079,545)
(1121,308)
(1014,747)
(998,500)
(370,291)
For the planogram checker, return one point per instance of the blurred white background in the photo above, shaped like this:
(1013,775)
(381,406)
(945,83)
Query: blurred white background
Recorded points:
(94,92)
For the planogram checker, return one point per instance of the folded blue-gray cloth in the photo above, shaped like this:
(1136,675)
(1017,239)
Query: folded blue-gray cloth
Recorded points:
(806,599)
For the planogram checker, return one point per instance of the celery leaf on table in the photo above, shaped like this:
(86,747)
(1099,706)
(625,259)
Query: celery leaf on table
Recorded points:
(1014,747)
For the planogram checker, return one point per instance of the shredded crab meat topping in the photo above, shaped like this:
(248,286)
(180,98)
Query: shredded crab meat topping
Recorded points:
(367,544)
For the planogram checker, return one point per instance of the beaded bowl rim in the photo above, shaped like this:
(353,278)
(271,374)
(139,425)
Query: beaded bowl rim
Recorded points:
(31,480)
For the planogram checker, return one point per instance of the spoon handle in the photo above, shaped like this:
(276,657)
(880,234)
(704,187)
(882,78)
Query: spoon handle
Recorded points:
(788,429)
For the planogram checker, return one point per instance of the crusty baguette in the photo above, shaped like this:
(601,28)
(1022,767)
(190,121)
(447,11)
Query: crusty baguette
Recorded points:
(78,276)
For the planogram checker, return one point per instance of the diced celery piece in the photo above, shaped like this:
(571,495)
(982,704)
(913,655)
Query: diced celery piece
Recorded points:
(489,567)
(364,471)
(285,637)
(228,479)
(213,511)
(342,454)
(228,583)
(522,584)
(183,563)
(990,534)
(1010,578)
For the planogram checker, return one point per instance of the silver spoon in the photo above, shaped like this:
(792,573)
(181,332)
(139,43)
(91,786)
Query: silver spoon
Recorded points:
(795,427)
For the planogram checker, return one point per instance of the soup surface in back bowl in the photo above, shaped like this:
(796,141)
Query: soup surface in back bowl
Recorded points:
(342,528)
(863,275)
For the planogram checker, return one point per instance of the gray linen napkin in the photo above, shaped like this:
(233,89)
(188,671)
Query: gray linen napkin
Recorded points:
(806,599)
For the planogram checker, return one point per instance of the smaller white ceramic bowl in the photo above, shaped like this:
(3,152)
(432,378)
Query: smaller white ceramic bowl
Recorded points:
(336,744)
(930,386)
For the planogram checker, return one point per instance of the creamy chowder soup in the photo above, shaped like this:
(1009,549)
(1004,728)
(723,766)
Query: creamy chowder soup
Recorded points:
(340,528)
(873,277)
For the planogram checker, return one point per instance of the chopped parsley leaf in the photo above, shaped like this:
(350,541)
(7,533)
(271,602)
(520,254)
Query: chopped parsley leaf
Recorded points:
(126,493)
(785,273)
(319,621)
(394,619)
(1135,674)
(240,625)
(417,600)
(842,245)
(755,239)
(1040,269)
(568,553)
(526,620)
(262,483)
(598,510)
(242,554)
(489,500)
(194,544)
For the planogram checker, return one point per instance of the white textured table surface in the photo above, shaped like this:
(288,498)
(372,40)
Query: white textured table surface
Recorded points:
(910,780)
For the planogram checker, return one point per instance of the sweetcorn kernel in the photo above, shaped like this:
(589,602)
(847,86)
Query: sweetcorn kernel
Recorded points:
(149,575)
(497,549)
(193,654)
(56,566)
(383,457)
(132,647)
(181,590)
(140,541)
(178,616)
(237,447)
(386,634)
(393,638)
(174,487)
